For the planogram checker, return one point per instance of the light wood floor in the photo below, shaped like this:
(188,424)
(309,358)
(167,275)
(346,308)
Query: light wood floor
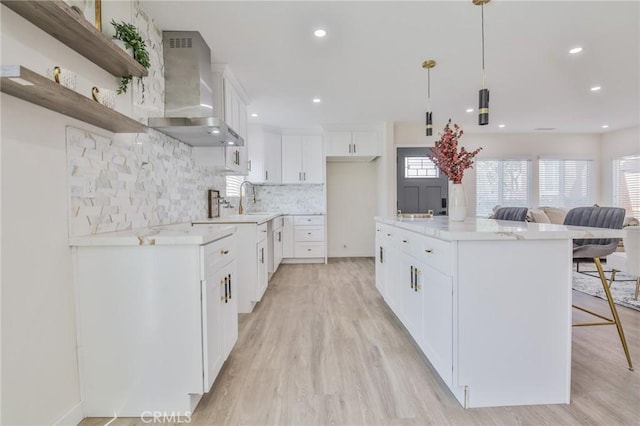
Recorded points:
(322,348)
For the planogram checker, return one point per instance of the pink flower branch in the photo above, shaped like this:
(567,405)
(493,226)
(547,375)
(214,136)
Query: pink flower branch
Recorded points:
(446,157)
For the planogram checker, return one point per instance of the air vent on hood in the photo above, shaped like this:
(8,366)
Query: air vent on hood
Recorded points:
(180,43)
(188,99)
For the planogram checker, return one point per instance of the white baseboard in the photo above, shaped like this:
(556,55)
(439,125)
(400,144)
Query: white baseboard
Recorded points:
(72,417)
(304,260)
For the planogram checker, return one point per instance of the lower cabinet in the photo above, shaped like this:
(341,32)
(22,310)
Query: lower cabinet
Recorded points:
(304,239)
(420,295)
(155,324)
(252,264)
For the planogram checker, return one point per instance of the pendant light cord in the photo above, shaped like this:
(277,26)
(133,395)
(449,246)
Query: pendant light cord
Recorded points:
(483,73)
(429,89)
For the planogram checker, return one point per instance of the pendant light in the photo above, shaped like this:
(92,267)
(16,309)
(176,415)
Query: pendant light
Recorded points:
(429,115)
(483,95)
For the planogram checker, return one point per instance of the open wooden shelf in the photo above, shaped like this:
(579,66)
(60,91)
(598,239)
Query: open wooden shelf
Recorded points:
(18,81)
(58,19)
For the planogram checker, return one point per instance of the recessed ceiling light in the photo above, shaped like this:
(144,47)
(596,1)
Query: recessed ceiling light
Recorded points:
(316,100)
(319,33)
(575,50)
(254,114)
(595,88)
(469,110)
(501,126)
(605,126)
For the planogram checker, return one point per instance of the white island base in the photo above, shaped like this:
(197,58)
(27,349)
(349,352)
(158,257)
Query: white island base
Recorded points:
(488,302)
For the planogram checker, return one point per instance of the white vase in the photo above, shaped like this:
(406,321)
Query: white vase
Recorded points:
(457,202)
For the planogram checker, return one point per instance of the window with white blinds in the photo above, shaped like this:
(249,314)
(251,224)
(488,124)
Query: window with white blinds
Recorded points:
(566,183)
(502,182)
(233,185)
(626,184)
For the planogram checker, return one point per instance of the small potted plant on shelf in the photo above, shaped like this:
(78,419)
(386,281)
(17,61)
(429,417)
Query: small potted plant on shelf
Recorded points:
(130,35)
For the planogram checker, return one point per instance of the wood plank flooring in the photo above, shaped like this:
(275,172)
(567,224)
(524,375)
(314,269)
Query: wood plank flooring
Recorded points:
(322,348)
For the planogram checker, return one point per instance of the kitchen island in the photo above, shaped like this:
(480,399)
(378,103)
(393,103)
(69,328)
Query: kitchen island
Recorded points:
(488,302)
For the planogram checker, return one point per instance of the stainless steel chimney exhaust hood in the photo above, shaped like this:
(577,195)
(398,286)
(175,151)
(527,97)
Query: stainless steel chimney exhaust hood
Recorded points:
(189,102)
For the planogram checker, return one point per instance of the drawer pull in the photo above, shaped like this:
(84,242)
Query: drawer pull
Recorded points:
(224,251)
(388,235)
(308,249)
(428,251)
(405,241)
(308,233)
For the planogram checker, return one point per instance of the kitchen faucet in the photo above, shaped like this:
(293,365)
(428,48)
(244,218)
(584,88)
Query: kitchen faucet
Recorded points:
(253,189)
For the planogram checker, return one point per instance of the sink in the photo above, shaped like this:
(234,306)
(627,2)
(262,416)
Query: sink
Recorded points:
(415,215)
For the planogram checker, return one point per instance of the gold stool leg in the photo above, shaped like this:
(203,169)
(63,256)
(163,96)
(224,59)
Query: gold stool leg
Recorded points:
(637,287)
(614,311)
(613,277)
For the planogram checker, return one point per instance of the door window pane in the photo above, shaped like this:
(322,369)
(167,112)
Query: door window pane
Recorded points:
(420,167)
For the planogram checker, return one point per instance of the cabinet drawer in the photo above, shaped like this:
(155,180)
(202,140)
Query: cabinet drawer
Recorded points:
(309,249)
(437,254)
(407,241)
(217,254)
(261,232)
(309,233)
(309,220)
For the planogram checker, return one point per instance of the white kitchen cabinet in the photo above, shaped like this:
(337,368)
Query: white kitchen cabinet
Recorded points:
(302,160)
(287,237)
(352,146)
(275,244)
(228,160)
(263,268)
(489,347)
(265,155)
(153,331)
(252,278)
(309,241)
(437,315)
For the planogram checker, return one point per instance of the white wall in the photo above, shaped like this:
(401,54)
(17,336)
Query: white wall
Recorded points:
(512,145)
(614,145)
(39,363)
(351,206)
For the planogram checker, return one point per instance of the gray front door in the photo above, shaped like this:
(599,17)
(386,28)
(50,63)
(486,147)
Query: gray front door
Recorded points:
(421,186)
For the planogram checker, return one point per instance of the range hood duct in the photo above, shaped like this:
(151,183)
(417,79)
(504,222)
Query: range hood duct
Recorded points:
(189,98)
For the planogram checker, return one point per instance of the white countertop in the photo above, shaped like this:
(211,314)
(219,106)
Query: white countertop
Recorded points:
(478,229)
(177,234)
(257,218)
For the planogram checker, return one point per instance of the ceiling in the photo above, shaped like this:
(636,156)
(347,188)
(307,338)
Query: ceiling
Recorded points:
(368,67)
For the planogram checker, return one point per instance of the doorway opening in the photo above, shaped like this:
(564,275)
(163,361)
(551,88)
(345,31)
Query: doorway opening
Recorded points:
(420,185)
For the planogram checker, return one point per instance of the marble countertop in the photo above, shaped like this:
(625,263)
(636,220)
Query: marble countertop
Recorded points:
(177,234)
(257,218)
(479,229)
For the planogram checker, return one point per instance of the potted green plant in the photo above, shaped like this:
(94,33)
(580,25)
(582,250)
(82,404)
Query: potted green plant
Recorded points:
(130,35)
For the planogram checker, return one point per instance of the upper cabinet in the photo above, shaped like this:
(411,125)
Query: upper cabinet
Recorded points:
(265,155)
(302,160)
(228,160)
(229,100)
(352,146)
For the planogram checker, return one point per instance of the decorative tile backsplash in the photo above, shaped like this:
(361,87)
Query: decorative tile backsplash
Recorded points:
(292,199)
(143,181)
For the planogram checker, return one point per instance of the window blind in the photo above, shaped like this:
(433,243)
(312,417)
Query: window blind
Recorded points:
(626,184)
(566,183)
(502,182)
(233,185)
